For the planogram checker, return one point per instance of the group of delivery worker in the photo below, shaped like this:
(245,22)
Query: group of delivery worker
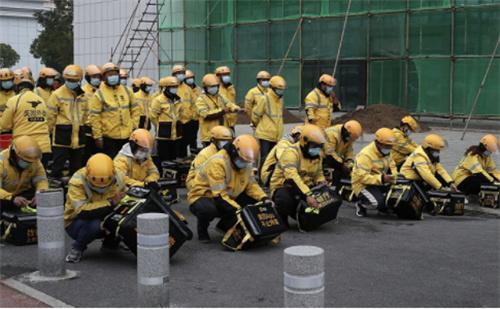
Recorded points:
(116,137)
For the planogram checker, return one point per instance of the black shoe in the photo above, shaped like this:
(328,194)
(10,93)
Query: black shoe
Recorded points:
(360,211)
(203,237)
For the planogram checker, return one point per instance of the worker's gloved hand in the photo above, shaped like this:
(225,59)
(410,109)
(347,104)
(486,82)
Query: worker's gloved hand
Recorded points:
(20,201)
(153,186)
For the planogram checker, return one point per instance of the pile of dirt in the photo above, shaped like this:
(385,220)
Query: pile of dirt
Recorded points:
(377,116)
(287,118)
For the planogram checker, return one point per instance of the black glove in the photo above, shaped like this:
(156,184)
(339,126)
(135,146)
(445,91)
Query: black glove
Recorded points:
(153,186)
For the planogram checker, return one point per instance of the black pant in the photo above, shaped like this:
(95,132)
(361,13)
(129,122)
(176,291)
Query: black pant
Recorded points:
(373,197)
(340,171)
(61,154)
(287,200)
(112,146)
(167,150)
(207,209)
(45,159)
(191,133)
(90,149)
(265,148)
(472,184)
(183,142)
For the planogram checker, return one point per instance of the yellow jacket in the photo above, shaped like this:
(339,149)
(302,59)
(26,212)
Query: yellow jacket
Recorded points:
(81,198)
(165,116)
(272,158)
(475,164)
(292,165)
(186,103)
(26,114)
(43,93)
(134,173)
(267,117)
(418,166)
(196,92)
(4,97)
(369,166)
(319,108)
(113,112)
(211,111)
(335,145)
(252,97)
(229,94)
(403,148)
(218,177)
(67,116)
(89,94)
(144,101)
(13,181)
(200,158)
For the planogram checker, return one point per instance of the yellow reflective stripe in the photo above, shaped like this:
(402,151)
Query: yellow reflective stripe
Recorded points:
(37,179)
(218,187)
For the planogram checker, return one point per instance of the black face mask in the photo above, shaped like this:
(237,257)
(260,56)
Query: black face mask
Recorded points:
(345,135)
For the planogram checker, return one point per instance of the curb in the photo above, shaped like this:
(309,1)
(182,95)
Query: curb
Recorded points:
(33,293)
(489,211)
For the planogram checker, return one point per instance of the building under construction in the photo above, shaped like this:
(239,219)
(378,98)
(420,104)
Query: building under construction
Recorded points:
(429,56)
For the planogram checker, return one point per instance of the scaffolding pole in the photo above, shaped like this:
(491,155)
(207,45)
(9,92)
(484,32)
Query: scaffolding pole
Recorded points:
(342,37)
(290,46)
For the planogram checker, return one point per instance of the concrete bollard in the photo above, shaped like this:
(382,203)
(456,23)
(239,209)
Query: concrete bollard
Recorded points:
(153,260)
(304,277)
(51,234)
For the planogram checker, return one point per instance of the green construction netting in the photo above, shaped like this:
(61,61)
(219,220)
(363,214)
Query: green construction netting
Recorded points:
(387,35)
(281,36)
(196,44)
(252,42)
(426,4)
(386,81)
(329,8)
(221,11)
(172,43)
(281,9)
(251,11)
(220,43)
(387,5)
(195,12)
(171,15)
(430,33)
(476,30)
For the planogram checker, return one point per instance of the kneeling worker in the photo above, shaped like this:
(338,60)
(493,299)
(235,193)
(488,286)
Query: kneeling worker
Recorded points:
(224,184)
(220,136)
(373,167)
(404,145)
(134,161)
(22,173)
(298,169)
(92,193)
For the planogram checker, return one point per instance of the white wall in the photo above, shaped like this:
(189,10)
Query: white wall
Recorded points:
(97,26)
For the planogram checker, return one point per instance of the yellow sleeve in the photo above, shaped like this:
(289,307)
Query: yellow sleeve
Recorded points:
(155,110)
(363,166)
(95,110)
(491,168)
(320,177)
(4,194)
(52,107)
(135,111)
(259,110)
(249,102)
(472,164)
(311,105)
(330,147)
(289,163)
(393,167)
(233,107)
(349,155)
(39,179)
(253,189)
(6,122)
(121,165)
(422,167)
(216,175)
(153,173)
(443,173)
(204,110)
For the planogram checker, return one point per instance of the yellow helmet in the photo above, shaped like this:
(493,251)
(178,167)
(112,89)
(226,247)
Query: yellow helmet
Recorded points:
(146,80)
(109,67)
(263,75)
(354,128)
(247,147)
(169,81)
(278,82)
(221,132)
(23,76)
(328,80)
(435,142)
(92,69)
(385,136)
(210,80)
(136,82)
(73,72)
(100,170)
(312,134)
(123,73)
(178,68)
(411,122)
(297,130)
(143,138)
(26,70)
(222,70)
(490,142)
(47,72)
(6,74)
(27,149)
(189,74)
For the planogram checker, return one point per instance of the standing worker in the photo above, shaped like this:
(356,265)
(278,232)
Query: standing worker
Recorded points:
(259,90)
(404,145)
(194,125)
(113,114)
(93,78)
(185,109)
(68,110)
(26,114)
(6,87)
(267,117)
(228,92)
(143,99)
(319,102)
(44,83)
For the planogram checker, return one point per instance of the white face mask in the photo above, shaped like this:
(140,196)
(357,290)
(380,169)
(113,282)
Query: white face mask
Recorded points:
(435,154)
(328,90)
(213,90)
(226,79)
(141,155)
(221,144)
(99,190)
(264,83)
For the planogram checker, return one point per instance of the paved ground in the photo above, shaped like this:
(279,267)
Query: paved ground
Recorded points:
(12,298)
(370,262)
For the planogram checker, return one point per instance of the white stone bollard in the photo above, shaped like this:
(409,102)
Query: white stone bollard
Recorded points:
(153,260)
(304,277)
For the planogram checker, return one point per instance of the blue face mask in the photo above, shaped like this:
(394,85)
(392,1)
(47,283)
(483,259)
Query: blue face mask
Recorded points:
(23,164)
(190,81)
(7,84)
(328,90)
(113,80)
(95,82)
(180,77)
(49,81)
(173,90)
(72,85)
(264,83)
(123,81)
(226,79)
(487,153)
(314,152)
(213,90)
(240,164)
(279,92)
(148,89)
(385,151)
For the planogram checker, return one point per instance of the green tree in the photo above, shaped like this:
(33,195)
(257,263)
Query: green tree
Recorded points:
(8,56)
(54,44)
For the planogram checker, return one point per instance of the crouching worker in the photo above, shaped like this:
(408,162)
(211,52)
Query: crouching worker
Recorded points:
(338,149)
(299,168)
(404,145)
(477,166)
(134,161)
(92,193)
(424,167)
(219,137)
(22,173)
(224,184)
(373,169)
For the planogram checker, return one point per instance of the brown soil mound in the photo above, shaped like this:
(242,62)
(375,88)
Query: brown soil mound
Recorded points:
(377,116)
(287,118)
